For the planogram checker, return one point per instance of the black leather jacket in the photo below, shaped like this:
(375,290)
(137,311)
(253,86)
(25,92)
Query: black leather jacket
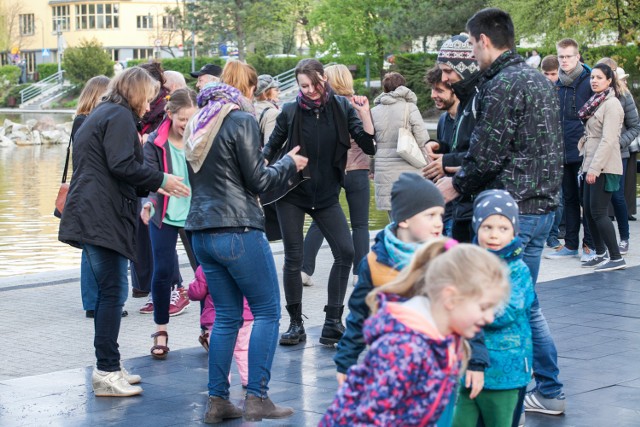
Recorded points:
(224,191)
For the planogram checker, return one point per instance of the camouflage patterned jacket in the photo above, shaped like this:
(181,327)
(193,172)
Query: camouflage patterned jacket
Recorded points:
(517,142)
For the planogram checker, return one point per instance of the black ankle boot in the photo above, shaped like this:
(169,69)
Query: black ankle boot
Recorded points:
(333,328)
(295,334)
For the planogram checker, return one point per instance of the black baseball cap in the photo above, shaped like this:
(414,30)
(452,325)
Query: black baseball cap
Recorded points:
(211,69)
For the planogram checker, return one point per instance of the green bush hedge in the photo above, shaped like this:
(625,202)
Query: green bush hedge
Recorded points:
(11,73)
(414,66)
(46,70)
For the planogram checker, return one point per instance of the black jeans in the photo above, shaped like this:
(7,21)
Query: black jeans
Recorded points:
(462,230)
(333,225)
(596,206)
(571,193)
(109,269)
(356,187)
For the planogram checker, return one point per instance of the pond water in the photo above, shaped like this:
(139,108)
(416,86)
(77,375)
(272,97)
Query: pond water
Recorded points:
(29,181)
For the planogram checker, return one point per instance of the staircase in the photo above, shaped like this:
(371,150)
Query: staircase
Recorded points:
(44,92)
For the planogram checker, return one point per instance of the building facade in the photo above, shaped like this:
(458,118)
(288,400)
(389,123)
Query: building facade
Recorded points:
(37,31)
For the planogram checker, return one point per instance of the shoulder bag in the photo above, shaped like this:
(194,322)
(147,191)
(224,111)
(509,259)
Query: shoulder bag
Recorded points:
(407,147)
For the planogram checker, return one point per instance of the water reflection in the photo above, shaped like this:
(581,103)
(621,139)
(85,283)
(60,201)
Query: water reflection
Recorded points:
(29,182)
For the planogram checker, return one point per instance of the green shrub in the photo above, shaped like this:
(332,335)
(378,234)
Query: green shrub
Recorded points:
(87,60)
(14,91)
(11,73)
(414,66)
(272,66)
(46,70)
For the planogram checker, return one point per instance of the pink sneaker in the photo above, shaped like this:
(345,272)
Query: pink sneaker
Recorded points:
(179,301)
(147,308)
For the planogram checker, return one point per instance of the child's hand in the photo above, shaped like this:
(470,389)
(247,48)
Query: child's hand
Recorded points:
(341,378)
(475,381)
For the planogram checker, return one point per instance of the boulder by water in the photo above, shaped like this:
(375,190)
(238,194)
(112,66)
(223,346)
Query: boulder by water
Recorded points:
(34,133)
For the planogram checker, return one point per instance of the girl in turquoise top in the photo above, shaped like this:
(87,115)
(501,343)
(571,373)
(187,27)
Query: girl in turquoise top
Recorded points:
(164,214)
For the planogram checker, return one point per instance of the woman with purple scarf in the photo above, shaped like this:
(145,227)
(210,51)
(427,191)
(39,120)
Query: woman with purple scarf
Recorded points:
(226,172)
(322,124)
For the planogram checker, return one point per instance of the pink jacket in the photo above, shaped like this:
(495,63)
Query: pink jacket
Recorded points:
(198,291)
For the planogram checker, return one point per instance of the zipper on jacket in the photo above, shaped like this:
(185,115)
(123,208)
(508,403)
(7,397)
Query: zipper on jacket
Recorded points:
(315,189)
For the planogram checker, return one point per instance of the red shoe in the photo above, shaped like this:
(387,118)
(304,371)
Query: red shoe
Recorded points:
(179,301)
(147,308)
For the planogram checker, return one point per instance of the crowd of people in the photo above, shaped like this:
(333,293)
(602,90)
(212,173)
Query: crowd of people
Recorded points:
(445,297)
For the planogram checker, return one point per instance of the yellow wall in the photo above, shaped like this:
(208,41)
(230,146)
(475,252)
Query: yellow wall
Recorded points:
(127,35)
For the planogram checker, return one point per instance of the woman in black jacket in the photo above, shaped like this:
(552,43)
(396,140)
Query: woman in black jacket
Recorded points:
(226,172)
(323,124)
(101,210)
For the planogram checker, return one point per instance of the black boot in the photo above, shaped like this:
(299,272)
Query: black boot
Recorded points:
(333,328)
(295,334)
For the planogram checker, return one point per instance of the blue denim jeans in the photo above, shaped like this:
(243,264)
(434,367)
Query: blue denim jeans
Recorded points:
(620,206)
(89,286)
(357,192)
(557,220)
(237,264)
(109,270)
(534,230)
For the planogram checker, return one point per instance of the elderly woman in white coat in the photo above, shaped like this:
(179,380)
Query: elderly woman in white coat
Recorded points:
(388,117)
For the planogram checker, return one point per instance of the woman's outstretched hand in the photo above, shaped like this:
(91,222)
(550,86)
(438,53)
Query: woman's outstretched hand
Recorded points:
(300,161)
(174,187)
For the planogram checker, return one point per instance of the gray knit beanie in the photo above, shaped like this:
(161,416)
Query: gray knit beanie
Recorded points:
(457,53)
(412,194)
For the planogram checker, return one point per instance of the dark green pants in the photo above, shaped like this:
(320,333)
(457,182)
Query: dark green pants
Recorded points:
(495,407)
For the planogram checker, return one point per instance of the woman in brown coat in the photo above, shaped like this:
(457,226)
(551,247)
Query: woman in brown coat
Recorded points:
(602,165)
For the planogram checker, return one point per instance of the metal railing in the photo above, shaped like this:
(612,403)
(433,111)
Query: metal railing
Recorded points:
(42,86)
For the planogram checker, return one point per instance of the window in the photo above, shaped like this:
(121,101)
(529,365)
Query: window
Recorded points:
(27,27)
(99,16)
(30,59)
(62,17)
(142,53)
(144,22)
(169,22)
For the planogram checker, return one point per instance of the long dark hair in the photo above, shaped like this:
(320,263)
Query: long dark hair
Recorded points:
(313,69)
(609,74)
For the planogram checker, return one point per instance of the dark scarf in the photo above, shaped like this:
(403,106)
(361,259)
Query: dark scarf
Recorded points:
(152,119)
(590,107)
(568,79)
(317,107)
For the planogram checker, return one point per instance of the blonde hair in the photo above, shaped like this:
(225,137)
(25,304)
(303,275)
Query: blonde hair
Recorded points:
(179,99)
(135,87)
(438,264)
(91,94)
(241,76)
(340,79)
(621,88)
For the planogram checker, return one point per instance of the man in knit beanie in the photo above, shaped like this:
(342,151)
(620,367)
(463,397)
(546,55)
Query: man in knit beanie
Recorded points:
(460,71)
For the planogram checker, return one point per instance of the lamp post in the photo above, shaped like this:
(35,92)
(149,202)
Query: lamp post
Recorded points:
(60,48)
(191,4)
(157,42)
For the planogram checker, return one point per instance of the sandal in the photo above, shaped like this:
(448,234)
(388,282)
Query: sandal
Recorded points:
(204,340)
(163,348)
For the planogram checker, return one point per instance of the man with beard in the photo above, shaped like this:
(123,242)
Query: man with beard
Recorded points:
(461,72)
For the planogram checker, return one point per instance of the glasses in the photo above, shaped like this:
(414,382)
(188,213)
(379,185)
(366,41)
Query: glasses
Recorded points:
(563,57)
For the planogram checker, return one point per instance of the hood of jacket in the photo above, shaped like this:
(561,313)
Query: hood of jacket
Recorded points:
(401,93)
(394,317)
(467,88)
(160,136)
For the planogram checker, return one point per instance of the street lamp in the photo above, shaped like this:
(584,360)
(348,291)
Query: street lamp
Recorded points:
(191,5)
(157,42)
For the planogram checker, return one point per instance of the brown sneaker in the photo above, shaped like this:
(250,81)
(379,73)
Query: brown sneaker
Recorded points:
(256,408)
(219,409)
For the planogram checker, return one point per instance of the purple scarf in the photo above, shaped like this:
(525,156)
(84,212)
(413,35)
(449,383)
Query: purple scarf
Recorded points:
(213,97)
(309,104)
(590,107)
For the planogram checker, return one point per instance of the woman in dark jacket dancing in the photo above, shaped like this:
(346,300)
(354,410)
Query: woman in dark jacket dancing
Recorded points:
(322,123)
(226,172)
(101,211)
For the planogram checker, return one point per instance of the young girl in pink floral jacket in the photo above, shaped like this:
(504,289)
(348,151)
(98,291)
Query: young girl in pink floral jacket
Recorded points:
(199,291)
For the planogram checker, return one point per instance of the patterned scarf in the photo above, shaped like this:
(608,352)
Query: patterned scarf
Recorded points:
(309,104)
(216,100)
(400,252)
(590,107)
(568,79)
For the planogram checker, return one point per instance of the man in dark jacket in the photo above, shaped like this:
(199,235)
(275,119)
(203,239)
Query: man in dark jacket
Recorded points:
(516,146)
(574,89)
(459,70)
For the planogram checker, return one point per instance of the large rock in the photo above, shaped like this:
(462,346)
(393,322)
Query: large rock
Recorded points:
(54,137)
(6,142)
(23,138)
(31,124)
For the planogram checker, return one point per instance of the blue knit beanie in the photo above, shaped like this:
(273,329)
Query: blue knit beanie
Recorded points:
(495,202)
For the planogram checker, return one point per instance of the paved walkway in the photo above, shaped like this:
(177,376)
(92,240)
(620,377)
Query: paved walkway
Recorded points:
(46,353)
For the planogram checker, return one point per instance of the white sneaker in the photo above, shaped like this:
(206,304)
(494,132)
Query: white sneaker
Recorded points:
(306,279)
(130,378)
(112,384)
(587,254)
